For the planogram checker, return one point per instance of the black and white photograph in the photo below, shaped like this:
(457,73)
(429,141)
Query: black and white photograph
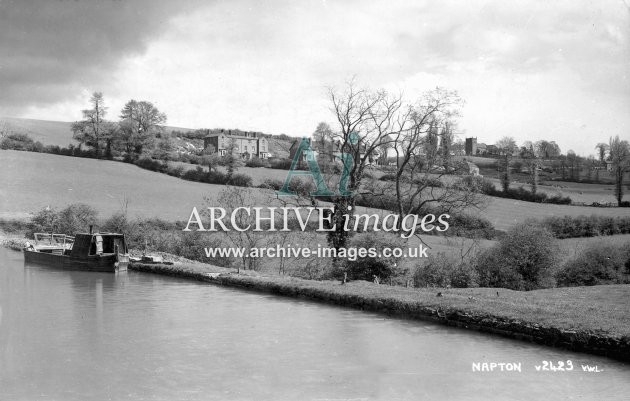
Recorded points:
(318,200)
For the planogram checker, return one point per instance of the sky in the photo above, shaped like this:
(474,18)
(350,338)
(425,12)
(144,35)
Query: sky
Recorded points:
(554,70)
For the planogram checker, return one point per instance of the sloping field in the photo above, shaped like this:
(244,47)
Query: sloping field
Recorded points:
(49,132)
(31,181)
(578,192)
(504,213)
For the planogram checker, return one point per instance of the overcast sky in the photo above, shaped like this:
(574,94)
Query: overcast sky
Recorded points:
(556,70)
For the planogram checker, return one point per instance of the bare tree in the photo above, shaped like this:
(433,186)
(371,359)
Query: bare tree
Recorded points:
(430,120)
(230,199)
(367,120)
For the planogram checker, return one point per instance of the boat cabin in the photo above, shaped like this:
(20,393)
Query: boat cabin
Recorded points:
(81,245)
(98,244)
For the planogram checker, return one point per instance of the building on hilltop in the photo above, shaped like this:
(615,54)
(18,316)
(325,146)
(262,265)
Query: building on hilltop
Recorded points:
(471,146)
(246,144)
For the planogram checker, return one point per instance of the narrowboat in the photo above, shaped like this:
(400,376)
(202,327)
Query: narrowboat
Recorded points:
(98,252)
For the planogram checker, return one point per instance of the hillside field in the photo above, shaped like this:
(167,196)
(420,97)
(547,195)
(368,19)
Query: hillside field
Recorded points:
(32,181)
(57,133)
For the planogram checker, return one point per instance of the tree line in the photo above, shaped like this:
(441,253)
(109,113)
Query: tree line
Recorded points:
(139,124)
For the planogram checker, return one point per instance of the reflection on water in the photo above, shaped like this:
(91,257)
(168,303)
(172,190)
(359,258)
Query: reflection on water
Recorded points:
(79,336)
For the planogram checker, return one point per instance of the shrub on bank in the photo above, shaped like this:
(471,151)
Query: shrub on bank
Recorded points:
(217,177)
(151,164)
(73,219)
(256,162)
(175,171)
(15,141)
(524,259)
(596,265)
(301,187)
(280,164)
(443,270)
(239,180)
(477,184)
(367,267)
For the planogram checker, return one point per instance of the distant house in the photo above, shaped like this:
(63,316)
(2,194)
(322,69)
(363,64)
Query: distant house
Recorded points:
(609,166)
(246,144)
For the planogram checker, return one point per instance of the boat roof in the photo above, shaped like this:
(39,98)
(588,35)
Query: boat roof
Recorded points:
(103,234)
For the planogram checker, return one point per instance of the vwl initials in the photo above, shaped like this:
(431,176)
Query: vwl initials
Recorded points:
(314,171)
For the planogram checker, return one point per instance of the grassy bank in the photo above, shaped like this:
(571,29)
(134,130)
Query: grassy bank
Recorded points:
(587,319)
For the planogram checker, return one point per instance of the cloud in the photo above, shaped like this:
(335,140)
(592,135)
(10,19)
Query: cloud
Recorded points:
(50,49)
(525,68)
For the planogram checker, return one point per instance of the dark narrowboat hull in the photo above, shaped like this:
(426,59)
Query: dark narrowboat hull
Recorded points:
(95,263)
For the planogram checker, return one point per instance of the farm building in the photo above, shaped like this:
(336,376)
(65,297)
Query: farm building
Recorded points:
(247,144)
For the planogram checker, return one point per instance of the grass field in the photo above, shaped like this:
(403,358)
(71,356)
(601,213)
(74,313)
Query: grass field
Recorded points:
(33,180)
(49,132)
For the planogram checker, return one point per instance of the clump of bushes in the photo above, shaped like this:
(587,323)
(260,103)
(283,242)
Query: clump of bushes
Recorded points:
(366,267)
(239,180)
(256,162)
(271,183)
(217,177)
(73,219)
(442,270)
(524,259)
(477,184)
(586,226)
(175,171)
(523,194)
(280,164)
(595,265)
(151,164)
(465,225)
(23,142)
(301,187)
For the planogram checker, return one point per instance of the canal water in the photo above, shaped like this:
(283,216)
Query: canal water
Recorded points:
(92,336)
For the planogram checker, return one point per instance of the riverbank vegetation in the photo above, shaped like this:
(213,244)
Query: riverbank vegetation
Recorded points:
(526,257)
